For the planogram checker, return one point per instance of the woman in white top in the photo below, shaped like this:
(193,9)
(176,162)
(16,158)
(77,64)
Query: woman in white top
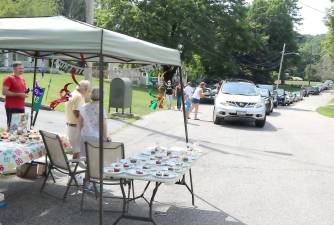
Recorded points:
(198,94)
(89,122)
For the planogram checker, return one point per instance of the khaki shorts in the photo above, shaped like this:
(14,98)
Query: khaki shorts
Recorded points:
(73,134)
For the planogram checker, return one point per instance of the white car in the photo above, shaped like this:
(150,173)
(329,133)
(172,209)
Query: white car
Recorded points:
(239,100)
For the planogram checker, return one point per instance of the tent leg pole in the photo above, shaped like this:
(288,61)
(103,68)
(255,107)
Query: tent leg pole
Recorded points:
(33,88)
(185,119)
(101,123)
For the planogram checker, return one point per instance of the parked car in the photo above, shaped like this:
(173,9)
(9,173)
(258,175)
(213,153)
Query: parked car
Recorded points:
(273,92)
(321,87)
(239,100)
(288,98)
(328,83)
(268,100)
(209,95)
(305,92)
(299,95)
(281,97)
(294,97)
(314,90)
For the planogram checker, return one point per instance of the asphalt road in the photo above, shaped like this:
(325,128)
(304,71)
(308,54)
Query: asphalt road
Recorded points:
(282,174)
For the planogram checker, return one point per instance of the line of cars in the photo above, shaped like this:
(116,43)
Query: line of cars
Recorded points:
(286,98)
(240,99)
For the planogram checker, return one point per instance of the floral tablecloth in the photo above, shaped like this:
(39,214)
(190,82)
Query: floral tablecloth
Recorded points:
(14,154)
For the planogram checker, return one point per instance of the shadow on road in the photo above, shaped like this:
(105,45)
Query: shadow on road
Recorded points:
(275,114)
(25,205)
(280,153)
(245,125)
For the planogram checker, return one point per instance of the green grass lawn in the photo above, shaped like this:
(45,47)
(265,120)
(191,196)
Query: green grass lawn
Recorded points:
(327,110)
(140,97)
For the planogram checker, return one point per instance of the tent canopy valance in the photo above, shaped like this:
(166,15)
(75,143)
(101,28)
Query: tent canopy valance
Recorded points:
(65,39)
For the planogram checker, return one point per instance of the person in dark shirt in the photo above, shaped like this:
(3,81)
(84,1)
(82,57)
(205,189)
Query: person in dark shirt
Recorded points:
(169,94)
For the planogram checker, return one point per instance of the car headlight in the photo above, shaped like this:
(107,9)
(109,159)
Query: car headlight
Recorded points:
(224,103)
(259,105)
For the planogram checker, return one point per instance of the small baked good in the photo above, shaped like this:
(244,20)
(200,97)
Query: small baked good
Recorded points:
(170,168)
(139,172)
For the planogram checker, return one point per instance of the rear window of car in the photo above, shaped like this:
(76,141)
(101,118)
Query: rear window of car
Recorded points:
(280,91)
(264,92)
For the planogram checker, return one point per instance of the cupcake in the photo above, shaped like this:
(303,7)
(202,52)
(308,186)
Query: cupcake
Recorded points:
(146,167)
(139,172)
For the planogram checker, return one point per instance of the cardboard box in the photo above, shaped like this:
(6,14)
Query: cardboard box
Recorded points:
(27,170)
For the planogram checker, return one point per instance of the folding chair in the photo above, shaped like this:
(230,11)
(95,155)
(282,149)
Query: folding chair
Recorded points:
(113,151)
(58,161)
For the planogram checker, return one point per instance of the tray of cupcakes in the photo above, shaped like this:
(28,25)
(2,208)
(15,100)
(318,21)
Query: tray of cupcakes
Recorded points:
(20,137)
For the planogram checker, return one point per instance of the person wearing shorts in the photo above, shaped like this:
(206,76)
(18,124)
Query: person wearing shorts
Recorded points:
(196,97)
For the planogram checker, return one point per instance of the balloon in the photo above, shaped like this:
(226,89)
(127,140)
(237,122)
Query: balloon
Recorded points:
(73,71)
(64,94)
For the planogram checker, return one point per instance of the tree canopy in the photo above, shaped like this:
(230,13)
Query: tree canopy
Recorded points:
(230,38)
(218,38)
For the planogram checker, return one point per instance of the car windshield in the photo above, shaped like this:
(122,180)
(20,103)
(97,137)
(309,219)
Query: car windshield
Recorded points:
(264,92)
(239,88)
(280,91)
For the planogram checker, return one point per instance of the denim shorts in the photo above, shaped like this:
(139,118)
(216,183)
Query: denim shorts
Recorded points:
(195,100)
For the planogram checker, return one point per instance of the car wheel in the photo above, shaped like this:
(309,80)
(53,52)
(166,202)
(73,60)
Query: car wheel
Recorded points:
(260,123)
(216,120)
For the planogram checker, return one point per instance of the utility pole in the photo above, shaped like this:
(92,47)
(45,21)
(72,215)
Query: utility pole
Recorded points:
(89,19)
(280,66)
(310,69)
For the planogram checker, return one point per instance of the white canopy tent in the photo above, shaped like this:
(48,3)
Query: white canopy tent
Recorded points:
(59,37)
(66,39)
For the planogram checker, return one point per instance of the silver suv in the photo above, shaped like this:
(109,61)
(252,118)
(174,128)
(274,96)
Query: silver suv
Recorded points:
(239,100)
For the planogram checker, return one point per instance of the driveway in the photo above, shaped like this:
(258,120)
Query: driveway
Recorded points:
(282,174)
